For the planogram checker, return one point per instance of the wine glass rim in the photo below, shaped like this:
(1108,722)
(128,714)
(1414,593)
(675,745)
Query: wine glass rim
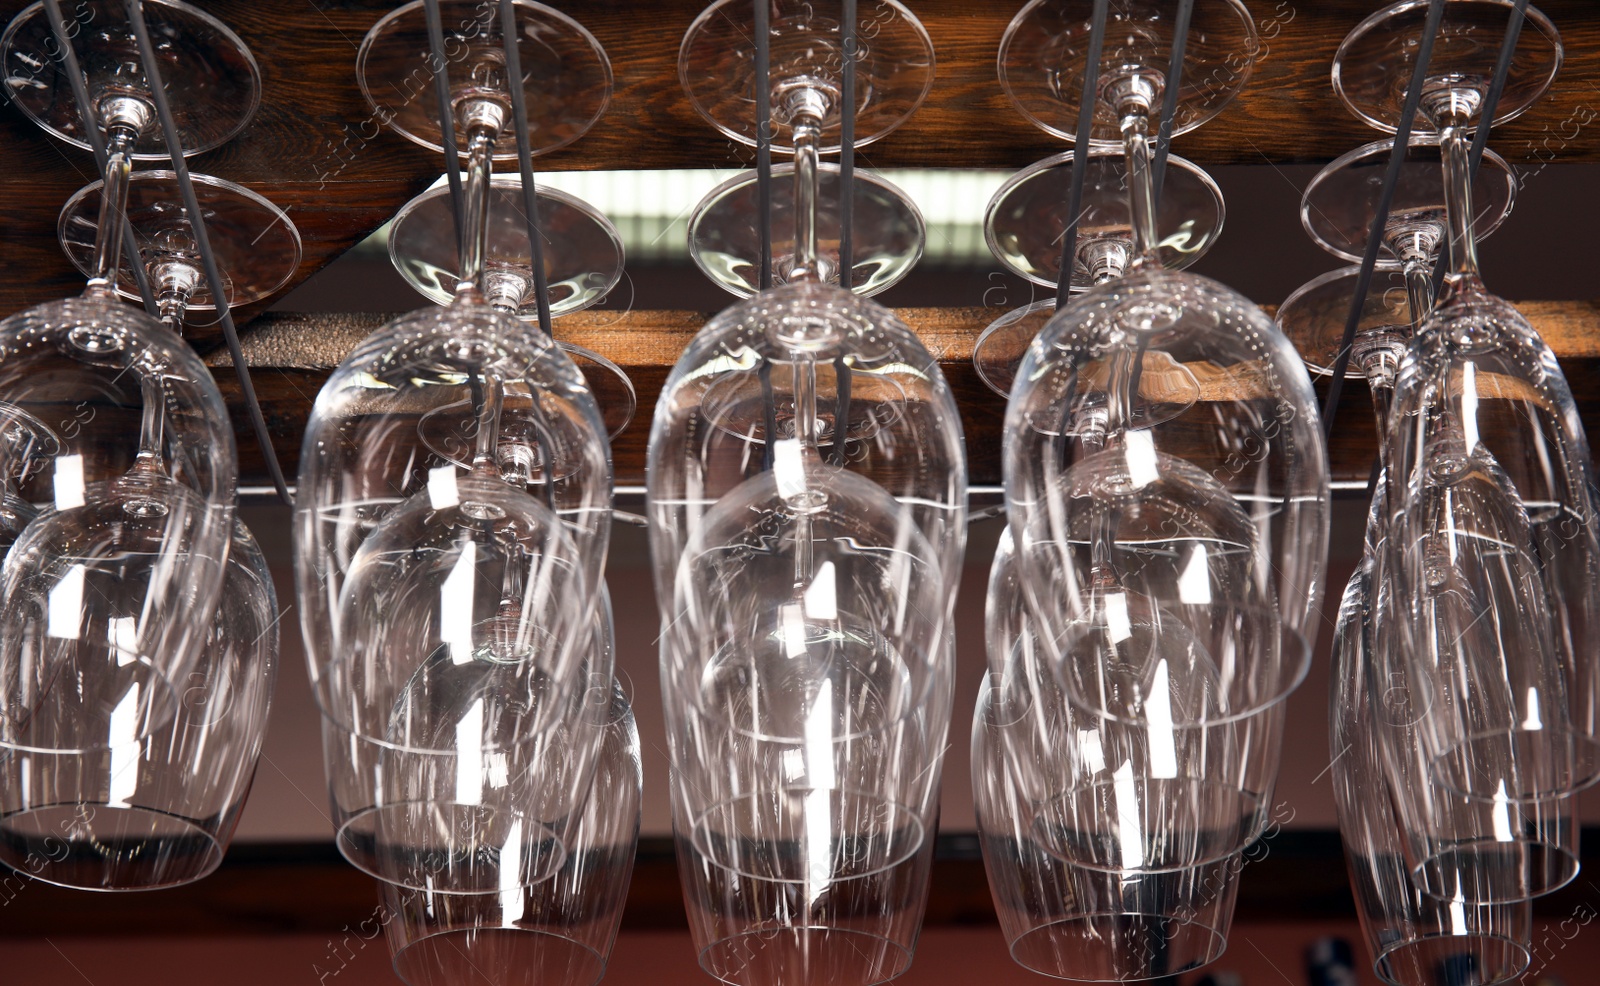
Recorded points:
(213,849)
(1381,149)
(509,183)
(1384,954)
(1253,45)
(410,9)
(1503,114)
(83,261)
(1217,931)
(432,939)
(212,22)
(861,139)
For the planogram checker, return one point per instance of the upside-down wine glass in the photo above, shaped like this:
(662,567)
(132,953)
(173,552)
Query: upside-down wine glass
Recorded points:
(1040,766)
(1410,934)
(160,811)
(807,506)
(108,593)
(583,256)
(1488,512)
(1173,561)
(555,933)
(447,613)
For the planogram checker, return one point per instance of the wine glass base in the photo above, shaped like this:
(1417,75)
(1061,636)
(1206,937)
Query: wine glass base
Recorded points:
(582,250)
(1339,204)
(725,238)
(256,245)
(1375,61)
(1000,349)
(210,76)
(1314,316)
(1027,217)
(565,73)
(894,67)
(1044,55)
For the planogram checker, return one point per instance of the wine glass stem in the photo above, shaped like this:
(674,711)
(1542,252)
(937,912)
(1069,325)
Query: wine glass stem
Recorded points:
(475,205)
(152,423)
(1458,197)
(1419,290)
(807,133)
(1141,180)
(488,421)
(113,205)
(805,426)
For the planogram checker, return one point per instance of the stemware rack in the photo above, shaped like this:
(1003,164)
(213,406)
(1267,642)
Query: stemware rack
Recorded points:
(316,149)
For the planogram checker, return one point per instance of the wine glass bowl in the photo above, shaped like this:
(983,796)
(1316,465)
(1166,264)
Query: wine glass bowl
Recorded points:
(565,72)
(118,568)
(559,931)
(865,368)
(1044,56)
(1374,62)
(211,77)
(894,69)
(725,237)
(156,811)
(1082,472)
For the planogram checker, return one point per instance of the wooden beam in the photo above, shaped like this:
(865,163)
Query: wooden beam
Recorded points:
(317,149)
(291,356)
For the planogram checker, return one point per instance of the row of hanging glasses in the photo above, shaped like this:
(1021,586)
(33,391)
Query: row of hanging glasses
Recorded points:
(1150,607)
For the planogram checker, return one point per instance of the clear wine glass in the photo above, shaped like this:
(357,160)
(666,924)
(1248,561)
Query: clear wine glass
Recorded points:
(257,246)
(1409,933)
(1044,55)
(1027,217)
(157,811)
(894,73)
(566,75)
(108,591)
(1489,499)
(807,499)
(583,261)
(1153,797)
(559,932)
(1156,541)
(447,614)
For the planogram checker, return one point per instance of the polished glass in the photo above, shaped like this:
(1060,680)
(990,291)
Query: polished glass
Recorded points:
(1044,54)
(211,77)
(1410,935)
(556,933)
(1027,218)
(159,810)
(566,75)
(725,238)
